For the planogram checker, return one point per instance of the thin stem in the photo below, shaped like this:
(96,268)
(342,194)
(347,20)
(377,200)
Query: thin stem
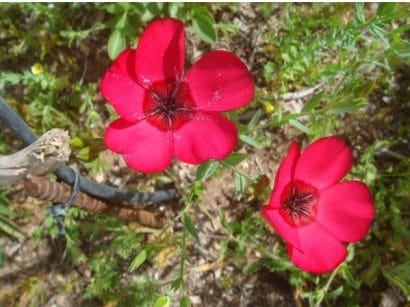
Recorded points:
(236,170)
(327,286)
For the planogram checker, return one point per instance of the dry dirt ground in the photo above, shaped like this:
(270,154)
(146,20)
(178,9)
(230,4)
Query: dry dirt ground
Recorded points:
(42,263)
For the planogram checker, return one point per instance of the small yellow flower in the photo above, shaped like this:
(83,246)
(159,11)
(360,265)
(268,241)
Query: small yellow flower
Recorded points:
(268,107)
(36,69)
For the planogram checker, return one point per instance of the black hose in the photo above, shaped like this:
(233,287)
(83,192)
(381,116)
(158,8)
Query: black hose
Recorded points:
(23,132)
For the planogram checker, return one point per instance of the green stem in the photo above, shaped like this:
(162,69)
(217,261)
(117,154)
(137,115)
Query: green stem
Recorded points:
(327,286)
(236,170)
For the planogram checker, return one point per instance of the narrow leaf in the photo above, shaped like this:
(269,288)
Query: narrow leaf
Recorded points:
(138,260)
(206,170)
(189,225)
(235,158)
(255,119)
(9,228)
(240,182)
(346,108)
(249,140)
(203,26)
(116,44)
(313,102)
(297,124)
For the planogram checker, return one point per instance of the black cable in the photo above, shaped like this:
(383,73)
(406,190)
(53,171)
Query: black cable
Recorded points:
(58,209)
(23,132)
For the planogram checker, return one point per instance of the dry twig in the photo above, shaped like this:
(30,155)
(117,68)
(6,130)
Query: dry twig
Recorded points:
(45,155)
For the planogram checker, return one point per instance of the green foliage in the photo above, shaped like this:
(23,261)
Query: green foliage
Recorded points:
(6,225)
(347,52)
(128,18)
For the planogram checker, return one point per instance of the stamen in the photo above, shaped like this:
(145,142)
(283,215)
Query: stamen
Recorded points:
(299,202)
(168,104)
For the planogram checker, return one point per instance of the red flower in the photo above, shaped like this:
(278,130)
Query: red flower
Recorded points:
(314,212)
(164,113)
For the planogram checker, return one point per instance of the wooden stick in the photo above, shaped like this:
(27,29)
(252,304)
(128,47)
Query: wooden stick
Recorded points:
(45,189)
(45,155)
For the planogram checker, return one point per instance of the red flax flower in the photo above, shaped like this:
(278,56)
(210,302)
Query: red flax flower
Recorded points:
(313,211)
(164,113)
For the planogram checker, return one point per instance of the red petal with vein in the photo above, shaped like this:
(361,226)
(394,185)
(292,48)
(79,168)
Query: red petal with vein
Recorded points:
(220,81)
(324,162)
(207,136)
(160,54)
(284,174)
(120,88)
(284,229)
(322,252)
(145,148)
(346,210)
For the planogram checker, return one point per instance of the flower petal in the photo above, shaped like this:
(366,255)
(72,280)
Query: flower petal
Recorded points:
(324,162)
(160,53)
(124,64)
(322,252)
(220,81)
(146,148)
(346,210)
(284,174)
(283,228)
(120,88)
(207,136)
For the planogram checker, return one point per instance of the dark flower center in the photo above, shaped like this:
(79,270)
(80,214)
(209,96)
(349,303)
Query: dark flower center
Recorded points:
(168,104)
(298,203)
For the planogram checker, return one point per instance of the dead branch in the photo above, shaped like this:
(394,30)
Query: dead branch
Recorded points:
(45,155)
(45,189)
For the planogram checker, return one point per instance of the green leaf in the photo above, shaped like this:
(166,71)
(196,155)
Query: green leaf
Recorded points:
(400,277)
(116,44)
(335,293)
(347,274)
(177,284)
(297,124)
(185,301)
(77,143)
(385,9)
(249,140)
(235,158)
(122,22)
(360,14)
(347,108)
(5,211)
(370,274)
(223,248)
(206,170)
(9,228)
(313,102)
(163,301)
(177,10)
(203,25)
(240,183)
(255,119)
(138,260)
(91,148)
(2,257)
(189,225)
